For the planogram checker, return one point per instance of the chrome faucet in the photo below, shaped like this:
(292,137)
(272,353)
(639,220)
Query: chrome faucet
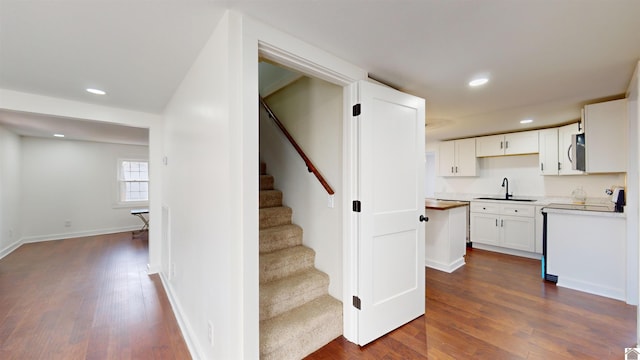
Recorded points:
(505,183)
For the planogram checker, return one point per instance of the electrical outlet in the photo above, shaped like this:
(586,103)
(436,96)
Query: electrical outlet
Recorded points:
(67,223)
(210,332)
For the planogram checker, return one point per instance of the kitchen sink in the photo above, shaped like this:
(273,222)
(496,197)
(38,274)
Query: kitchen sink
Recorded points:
(503,199)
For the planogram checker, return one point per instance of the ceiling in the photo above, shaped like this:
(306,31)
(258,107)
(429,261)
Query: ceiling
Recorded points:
(545,58)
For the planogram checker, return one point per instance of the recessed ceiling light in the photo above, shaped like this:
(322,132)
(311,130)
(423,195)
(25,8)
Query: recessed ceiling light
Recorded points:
(96,91)
(526,121)
(478,81)
(59,135)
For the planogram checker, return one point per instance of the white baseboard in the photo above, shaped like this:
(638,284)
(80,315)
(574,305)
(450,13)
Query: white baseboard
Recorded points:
(153,269)
(9,249)
(70,235)
(592,288)
(448,268)
(183,323)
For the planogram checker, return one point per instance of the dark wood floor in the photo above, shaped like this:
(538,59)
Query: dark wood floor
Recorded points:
(498,307)
(85,298)
(90,298)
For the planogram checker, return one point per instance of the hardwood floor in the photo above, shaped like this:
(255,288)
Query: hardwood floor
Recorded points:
(85,298)
(498,307)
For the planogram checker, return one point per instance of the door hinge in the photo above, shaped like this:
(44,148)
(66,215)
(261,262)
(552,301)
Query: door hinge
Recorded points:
(356,109)
(356,302)
(357,206)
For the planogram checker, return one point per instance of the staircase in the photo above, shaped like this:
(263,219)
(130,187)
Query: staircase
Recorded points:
(297,315)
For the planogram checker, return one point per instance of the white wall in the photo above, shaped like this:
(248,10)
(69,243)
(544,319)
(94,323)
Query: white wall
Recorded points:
(73,181)
(525,180)
(197,191)
(311,110)
(10,185)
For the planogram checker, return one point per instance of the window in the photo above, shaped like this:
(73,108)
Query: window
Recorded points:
(133,176)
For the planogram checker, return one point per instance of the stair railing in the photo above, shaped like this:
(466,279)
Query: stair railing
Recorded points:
(307,161)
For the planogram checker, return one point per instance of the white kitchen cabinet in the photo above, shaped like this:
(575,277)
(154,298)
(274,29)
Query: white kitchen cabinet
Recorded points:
(605,128)
(564,149)
(458,158)
(517,232)
(548,151)
(506,225)
(484,228)
(539,230)
(525,142)
(490,145)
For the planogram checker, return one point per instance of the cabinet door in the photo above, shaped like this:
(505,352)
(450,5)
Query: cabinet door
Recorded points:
(490,146)
(517,232)
(525,142)
(466,160)
(564,149)
(484,229)
(605,126)
(548,151)
(446,158)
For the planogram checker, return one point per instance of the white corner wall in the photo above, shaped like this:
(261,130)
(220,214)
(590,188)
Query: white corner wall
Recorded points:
(633,189)
(10,229)
(74,181)
(311,110)
(198,192)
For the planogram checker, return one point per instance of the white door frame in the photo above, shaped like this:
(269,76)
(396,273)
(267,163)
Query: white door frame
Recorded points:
(297,55)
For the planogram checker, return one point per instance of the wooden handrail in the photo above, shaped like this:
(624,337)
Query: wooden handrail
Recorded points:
(307,161)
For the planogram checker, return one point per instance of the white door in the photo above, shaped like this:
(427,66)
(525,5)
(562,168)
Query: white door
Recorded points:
(391,284)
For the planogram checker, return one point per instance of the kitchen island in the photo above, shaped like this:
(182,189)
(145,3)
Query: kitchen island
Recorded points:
(445,234)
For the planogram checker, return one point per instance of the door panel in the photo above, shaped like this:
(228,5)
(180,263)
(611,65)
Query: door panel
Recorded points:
(391,187)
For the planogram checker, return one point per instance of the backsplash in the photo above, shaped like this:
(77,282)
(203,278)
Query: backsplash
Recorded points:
(525,180)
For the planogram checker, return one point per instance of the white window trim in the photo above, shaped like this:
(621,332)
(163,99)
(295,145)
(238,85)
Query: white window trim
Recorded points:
(118,186)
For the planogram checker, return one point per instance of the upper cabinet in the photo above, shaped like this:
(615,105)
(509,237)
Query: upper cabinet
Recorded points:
(548,146)
(525,142)
(605,128)
(457,158)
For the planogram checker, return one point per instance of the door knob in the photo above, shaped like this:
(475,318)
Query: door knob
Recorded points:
(424,218)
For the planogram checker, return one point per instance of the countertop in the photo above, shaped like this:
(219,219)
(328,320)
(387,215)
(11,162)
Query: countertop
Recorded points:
(551,210)
(435,204)
(540,202)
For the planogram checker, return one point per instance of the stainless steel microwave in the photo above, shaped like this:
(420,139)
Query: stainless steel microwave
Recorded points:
(577,154)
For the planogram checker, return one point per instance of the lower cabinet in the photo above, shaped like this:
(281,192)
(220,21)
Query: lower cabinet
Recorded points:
(506,225)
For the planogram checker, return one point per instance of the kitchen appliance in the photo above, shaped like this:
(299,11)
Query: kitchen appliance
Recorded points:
(617,197)
(577,154)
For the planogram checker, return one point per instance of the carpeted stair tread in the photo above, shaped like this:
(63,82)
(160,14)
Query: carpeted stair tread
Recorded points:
(301,331)
(297,316)
(280,237)
(279,296)
(282,263)
(270,198)
(275,216)
(266,182)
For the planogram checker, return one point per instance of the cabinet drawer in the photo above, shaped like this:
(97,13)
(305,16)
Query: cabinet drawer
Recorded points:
(482,207)
(518,210)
